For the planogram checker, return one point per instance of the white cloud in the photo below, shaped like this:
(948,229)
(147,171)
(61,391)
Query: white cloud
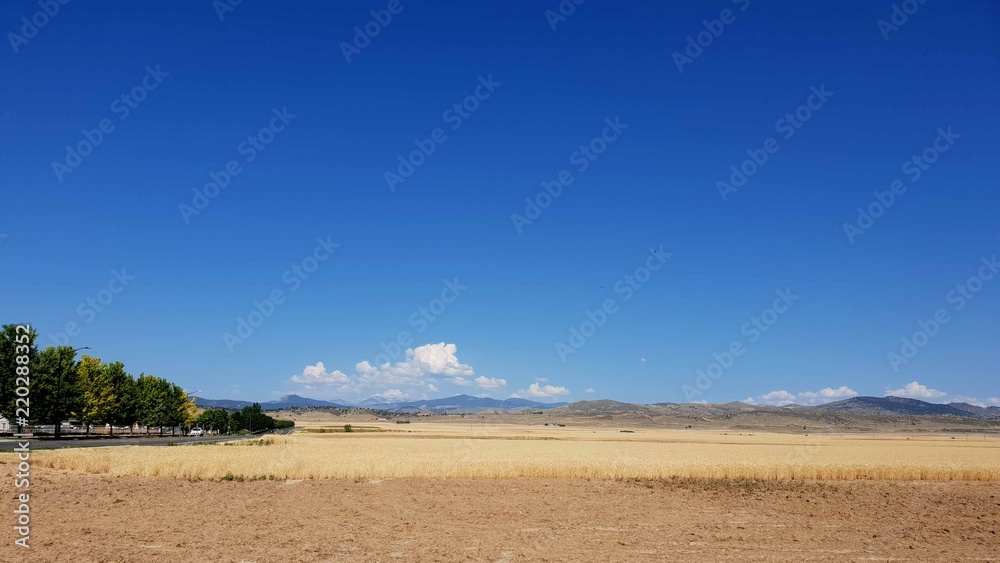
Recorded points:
(970,400)
(590,390)
(541,391)
(826,395)
(422,366)
(490,382)
(541,379)
(318,374)
(994,401)
(782,398)
(778,398)
(914,390)
(391,395)
(643,360)
(422,361)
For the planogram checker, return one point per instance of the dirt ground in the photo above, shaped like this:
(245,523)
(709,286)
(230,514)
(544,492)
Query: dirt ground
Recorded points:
(83,518)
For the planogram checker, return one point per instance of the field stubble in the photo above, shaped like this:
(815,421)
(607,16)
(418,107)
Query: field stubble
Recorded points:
(428,451)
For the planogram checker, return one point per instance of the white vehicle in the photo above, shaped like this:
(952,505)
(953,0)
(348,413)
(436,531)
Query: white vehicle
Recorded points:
(197,432)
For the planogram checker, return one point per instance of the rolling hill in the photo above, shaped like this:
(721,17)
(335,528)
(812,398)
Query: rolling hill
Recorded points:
(286,402)
(461,404)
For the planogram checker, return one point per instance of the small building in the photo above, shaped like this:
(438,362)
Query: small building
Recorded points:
(4,424)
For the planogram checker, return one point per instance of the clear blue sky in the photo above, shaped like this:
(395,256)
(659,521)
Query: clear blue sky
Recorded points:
(323,175)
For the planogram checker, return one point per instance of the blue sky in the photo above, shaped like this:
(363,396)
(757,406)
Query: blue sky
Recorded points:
(449,258)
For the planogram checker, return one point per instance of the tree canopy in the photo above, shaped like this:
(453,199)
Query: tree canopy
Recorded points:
(95,392)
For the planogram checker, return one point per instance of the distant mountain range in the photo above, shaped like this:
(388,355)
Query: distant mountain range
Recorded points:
(286,402)
(456,404)
(461,404)
(901,405)
(469,404)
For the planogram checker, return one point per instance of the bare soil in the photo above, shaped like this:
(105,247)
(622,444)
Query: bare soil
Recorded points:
(83,518)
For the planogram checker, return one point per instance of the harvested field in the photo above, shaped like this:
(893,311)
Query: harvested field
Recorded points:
(430,451)
(88,518)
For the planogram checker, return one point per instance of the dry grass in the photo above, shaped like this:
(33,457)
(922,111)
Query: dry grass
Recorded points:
(508,451)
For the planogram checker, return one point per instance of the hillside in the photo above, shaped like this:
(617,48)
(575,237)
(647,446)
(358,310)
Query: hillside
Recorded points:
(901,405)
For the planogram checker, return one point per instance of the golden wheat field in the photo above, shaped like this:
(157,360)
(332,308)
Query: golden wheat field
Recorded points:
(504,451)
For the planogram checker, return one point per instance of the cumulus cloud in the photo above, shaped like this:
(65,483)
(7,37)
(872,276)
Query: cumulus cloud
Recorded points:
(391,395)
(826,395)
(779,398)
(590,390)
(782,398)
(422,361)
(316,374)
(421,367)
(490,382)
(536,391)
(914,390)
(971,400)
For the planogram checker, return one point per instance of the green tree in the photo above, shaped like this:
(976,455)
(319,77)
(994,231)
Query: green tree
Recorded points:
(214,419)
(97,395)
(178,410)
(108,393)
(254,419)
(55,394)
(152,396)
(125,391)
(12,345)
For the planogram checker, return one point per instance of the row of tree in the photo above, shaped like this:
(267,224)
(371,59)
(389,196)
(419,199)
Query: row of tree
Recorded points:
(251,418)
(94,392)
